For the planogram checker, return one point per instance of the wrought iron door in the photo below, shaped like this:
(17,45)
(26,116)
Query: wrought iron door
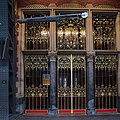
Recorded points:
(36,92)
(105,82)
(71,84)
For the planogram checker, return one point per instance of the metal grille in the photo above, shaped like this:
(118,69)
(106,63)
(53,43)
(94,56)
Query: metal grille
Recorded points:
(71,82)
(105,81)
(37,35)
(104,31)
(36,93)
(71,34)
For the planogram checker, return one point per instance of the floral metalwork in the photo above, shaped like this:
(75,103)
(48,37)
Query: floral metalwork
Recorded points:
(37,35)
(78,62)
(64,62)
(36,62)
(71,34)
(106,61)
(36,92)
(104,31)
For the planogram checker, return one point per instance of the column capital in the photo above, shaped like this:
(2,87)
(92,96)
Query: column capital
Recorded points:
(52,54)
(91,53)
(52,5)
(90,56)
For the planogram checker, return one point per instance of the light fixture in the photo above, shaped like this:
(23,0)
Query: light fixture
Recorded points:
(84,15)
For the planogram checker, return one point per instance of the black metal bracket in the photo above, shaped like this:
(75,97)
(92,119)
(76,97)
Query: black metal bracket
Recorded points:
(54,18)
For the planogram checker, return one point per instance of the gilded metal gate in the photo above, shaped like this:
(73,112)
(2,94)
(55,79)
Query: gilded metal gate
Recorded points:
(36,82)
(71,84)
(105,82)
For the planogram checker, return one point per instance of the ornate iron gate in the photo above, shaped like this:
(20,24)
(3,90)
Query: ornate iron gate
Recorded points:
(105,82)
(36,87)
(71,84)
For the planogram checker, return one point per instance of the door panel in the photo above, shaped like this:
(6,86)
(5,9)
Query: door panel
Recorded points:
(71,84)
(105,82)
(36,93)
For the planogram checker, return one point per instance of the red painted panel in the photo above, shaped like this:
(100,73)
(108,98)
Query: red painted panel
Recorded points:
(106,110)
(79,111)
(36,111)
(69,111)
(64,111)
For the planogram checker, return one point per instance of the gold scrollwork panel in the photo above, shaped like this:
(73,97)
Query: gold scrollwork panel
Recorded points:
(105,81)
(36,93)
(104,31)
(37,35)
(71,34)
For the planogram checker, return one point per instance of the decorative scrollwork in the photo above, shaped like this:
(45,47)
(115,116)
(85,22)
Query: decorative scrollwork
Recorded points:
(106,91)
(36,62)
(64,62)
(71,34)
(37,35)
(104,32)
(79,91)
(36,92)
(64,92)
(78,62)
(106,61)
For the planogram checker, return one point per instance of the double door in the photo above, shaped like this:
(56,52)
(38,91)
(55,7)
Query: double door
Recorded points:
(71,83)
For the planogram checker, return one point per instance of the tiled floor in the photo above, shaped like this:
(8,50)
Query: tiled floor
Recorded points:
(66,117)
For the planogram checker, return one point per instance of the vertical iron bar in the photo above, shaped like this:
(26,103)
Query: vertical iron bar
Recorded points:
(36,88)
(40,86)
(106,86)
(71,84)
(29,86)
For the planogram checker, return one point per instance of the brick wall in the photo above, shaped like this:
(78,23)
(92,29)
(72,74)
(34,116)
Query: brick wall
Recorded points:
(115,3)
